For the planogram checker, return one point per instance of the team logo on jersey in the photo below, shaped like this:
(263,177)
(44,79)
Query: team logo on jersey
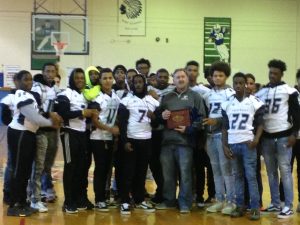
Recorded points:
(185,98)
(131,8)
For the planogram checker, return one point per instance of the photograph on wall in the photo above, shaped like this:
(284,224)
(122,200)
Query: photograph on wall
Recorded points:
(132,17)
(217,40)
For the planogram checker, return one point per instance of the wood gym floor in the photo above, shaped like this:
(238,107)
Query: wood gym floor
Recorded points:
(55,216)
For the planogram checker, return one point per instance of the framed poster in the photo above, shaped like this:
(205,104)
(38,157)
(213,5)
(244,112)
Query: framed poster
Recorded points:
(132,17)
(217,40)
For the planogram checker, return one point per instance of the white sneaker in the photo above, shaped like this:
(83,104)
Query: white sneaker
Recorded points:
(145,206)
(101,206)
(216,207)
(285,213)
(39,206)
(228,208)
(125,209)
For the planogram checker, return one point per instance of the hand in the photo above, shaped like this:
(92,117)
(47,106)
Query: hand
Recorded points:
(228,152)
(252,144)
(153,94)
(209,121)
(150,114)
(56,120)
(180,129)
(128,147)
(291,141)
(114,130)
(166,114)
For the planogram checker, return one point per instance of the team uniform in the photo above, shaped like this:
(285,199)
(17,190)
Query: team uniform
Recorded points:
(201,160)
(218,38)
(21,139)
(221,166)
(136,129)
(71,103)
(102,144)
(238,119)
(281,120)
(47,145)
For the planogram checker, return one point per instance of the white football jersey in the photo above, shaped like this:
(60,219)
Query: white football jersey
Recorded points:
(241,116)
(46,94)
(163,92)
(200,89)
(122,93)
(77,102)
(8,100)
(139,123)
(276,107)
(109,106)
(214,98)
(19,121)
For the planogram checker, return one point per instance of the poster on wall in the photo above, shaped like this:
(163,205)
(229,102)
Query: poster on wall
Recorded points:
(9,71)
(217,40)
(132,17)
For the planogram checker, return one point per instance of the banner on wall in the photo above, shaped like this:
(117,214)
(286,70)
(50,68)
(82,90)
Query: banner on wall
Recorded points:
(9,71)
(132,17)
(217,40)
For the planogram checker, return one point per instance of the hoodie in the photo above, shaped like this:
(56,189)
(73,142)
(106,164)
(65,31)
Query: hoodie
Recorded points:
(91,91)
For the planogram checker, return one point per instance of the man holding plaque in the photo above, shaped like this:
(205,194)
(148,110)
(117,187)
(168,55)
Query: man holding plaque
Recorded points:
(181,112)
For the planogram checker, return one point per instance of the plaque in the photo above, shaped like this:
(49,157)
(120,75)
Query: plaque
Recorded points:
(179,118)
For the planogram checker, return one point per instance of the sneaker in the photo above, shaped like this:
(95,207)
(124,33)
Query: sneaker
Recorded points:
(145,206)
(81,206)
(184,210)
(156,200)
(200,205)
(18,210)
(70,209)
(101,206)
(285,213)
(113,204)
(298,208)
(272,208)
(89,204)
(39,206)
(164,205)
(228,208)
(216,207)
(254,214)
(125,209)
(238,212)
(209,200)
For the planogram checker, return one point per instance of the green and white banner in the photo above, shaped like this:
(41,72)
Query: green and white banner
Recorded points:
(217,40)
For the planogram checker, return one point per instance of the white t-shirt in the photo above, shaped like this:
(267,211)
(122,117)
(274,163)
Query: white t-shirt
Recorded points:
(19,121)
(77,102)
(241,117)
(8,100)
(138,123)
(109,106)
(276,107)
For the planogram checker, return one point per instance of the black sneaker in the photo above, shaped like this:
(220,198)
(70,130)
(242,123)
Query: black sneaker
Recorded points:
(125,209)
(89,205)
(272,208)
(101,206)
(285,213)
(238,212)
(17,210)
(156,200)
(71,209)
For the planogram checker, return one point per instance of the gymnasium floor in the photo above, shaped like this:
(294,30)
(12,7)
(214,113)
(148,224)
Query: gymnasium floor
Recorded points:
(197,217)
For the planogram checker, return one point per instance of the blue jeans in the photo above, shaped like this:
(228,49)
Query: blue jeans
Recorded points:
(278,155)
(221,167)
(181,156)
(245,159)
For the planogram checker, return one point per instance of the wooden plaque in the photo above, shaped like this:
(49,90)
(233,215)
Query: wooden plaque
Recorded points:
(179,118)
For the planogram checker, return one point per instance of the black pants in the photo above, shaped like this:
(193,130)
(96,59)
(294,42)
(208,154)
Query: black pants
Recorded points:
(296,154)
(155,165)
(22,146)
(201,160)
(87,164)
(134,168)
(102,152)
(74,149)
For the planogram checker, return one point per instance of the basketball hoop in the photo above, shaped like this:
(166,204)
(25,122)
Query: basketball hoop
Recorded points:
(60,47)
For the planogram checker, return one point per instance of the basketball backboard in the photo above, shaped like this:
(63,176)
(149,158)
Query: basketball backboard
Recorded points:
(50,29)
